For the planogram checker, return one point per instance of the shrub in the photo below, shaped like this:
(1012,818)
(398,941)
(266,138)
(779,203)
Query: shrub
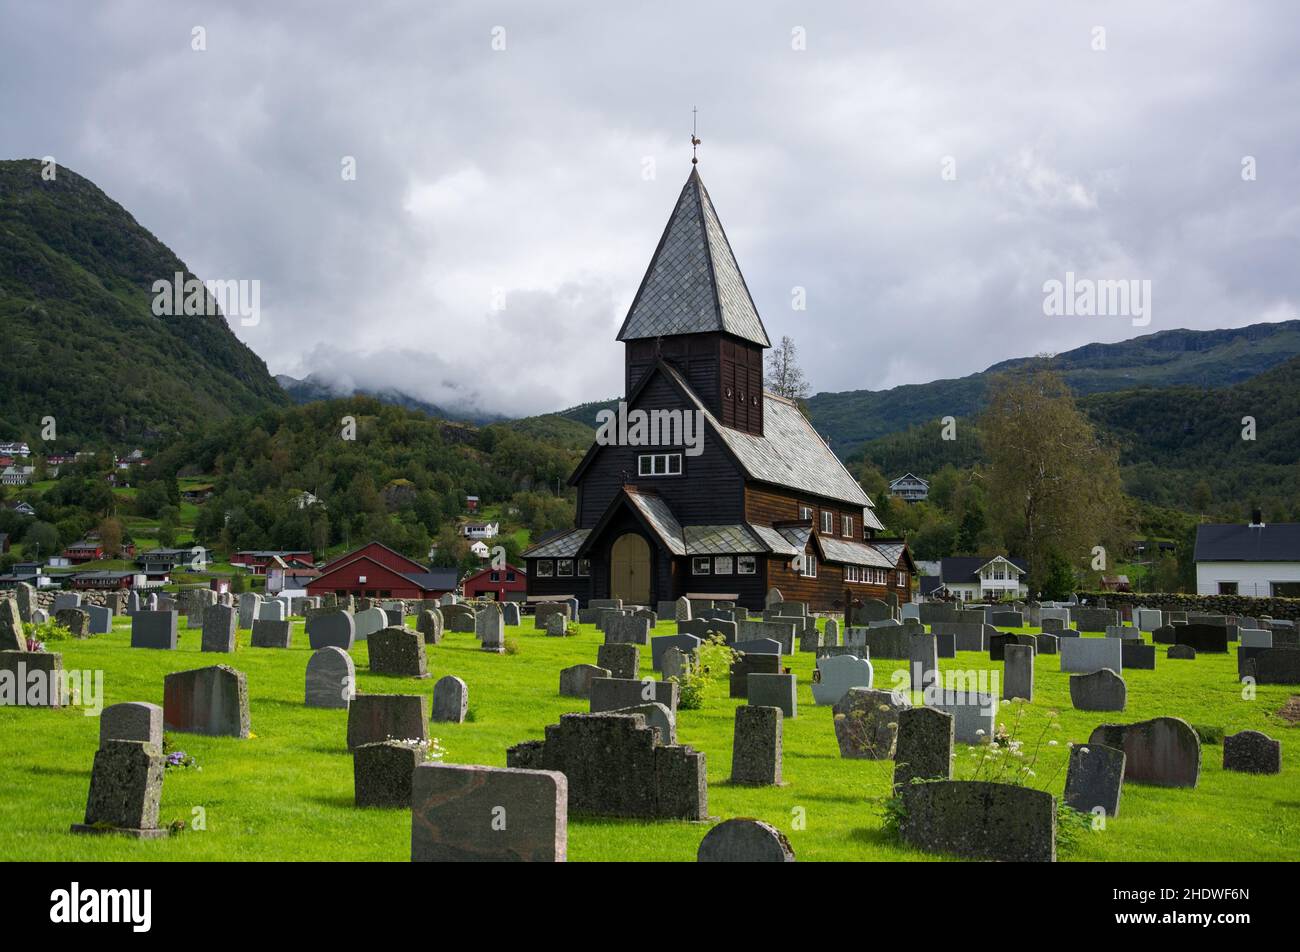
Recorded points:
(710,662)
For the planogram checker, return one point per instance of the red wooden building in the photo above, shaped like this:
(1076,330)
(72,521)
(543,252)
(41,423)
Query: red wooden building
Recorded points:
(507,584)
(84,551)
(376,571)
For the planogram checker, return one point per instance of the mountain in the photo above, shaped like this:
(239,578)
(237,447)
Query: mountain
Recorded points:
(1171,358)
(311,388)
(81,342)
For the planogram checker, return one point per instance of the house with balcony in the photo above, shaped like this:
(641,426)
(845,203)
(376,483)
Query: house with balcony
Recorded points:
(910,488)
(978,579)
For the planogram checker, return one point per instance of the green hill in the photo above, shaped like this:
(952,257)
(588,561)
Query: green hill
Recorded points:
(1208,359)
(81,341)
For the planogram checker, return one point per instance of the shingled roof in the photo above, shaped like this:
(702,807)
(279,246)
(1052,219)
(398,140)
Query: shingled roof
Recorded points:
(1274,542)
(693,284)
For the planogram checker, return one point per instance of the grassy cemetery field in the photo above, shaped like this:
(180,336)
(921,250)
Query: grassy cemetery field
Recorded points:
(286,793)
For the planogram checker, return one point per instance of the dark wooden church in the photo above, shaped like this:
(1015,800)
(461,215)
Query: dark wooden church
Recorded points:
(759,502)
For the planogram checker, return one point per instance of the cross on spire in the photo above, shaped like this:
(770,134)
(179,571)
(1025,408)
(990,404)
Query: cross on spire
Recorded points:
(695,140)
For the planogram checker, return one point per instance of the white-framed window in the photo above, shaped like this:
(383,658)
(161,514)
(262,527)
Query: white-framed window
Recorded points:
(701,565)
(746,565)
(902,579)
(853,573)
(846,526)
(828,523)
(584,568)
(808,568)
(805,513)
(545,568)
(564,568)
(659,464)
(722,565)
(1227,588)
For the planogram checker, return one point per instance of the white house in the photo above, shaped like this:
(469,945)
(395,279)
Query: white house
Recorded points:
(481,530)
(1255,559)
(910,488)
(480,549)
(17,475)
(977,579)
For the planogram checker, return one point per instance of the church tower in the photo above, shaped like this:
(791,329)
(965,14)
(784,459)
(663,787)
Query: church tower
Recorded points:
(694,311)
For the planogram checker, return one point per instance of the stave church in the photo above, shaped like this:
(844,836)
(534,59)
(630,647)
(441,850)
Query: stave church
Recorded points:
(760,501)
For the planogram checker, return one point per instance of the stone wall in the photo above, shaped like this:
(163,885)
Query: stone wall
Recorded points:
(1209,604)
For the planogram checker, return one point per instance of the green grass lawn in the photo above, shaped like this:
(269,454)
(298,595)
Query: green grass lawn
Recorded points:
(286,793)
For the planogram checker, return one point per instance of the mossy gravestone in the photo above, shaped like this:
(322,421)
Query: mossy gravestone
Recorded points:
(125,791)
(980,820)
(398,652)
(212,701)
(742,840)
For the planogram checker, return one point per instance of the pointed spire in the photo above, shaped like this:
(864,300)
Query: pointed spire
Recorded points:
(693,284)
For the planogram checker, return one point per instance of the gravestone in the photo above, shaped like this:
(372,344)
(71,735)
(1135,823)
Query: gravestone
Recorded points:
(910,611)
(742,840)
(268,633)
(331,678)
(1007,620)
(1102,690)
(1094,619)
(368,621)
(610,694)
(745,665)
(974,714)
(65,600)
(980,820)
(12,636)
(756,745)
(1255,637)
(658,645)
(271,610)
(398,652)
(373,718)
(1252,752)
(557,625)
(925,745)
(490,628)
(968,636)
(100,621)
(1094,778)
(758,646)
(1054,625)
(1181,652)
(76,620)
(946,645)
(617,765)
(866,723)
(510,613)
(676,664)
(219,623)
(774,690)
(1018,672)
(923,660)
(773,597)
(1125,632)
(450,700)
(1204,638)
(26,598)
(125,791)
(332,629)
(153,630)
(782,633)
(545,610)
(1083,655)
(682,609)
(1137,656)
(627,630)
(836,676)
(456,811)
(832,635)
(382,773)
(622,661)
(248,606)
(132,720)
(1148,619)
(429,624)
(211,701)
(657,716)
(1245,660)
(1274,665)
(1164,751)
(1047,644)
(1165,635)
(575,681)
(871,609)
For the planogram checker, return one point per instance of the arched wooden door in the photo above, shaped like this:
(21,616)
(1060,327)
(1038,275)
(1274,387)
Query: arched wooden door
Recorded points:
(629,569)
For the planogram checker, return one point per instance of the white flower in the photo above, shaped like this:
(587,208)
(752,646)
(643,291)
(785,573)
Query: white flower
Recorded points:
(980,732)
(1052,743)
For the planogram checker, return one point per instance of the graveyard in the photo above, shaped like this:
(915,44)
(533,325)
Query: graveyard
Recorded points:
(286,791)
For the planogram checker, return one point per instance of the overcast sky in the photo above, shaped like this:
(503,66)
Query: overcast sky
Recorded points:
(541,175)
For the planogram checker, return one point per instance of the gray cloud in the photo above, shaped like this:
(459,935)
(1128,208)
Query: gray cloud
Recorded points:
(517,176)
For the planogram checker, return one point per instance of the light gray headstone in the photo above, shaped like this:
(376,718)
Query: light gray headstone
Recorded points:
(450,699)
(836,676)
(132,720)
(331,678)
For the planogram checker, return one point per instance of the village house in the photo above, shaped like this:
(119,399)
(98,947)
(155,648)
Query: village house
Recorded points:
(1259,559)
(978,579)
(481,530)
(289,574)
(751,498)
(258,561)
(17,475)
(106,581)
(87,550)
(508,583)
(910,488)
(376,571)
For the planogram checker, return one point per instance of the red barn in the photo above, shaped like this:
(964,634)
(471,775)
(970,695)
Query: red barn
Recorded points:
(506,584)
(376,571)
